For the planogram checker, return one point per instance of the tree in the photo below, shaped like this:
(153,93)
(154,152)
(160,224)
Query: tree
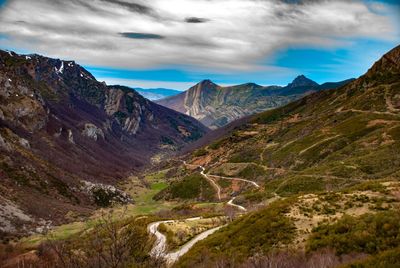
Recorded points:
(111,244)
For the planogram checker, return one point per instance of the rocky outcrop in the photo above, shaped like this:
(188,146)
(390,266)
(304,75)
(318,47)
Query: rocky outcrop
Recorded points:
(93,132)
(104,194)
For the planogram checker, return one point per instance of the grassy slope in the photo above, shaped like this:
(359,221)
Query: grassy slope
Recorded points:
(144,205)
(328,141)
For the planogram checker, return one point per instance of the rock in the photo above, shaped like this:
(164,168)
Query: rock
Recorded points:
(115,195)
(25,143)
(4,144)
(70,136)
(93,132)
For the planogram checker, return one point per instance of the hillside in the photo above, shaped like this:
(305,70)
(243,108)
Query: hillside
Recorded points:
(329,154)
(216,106)
(61,131)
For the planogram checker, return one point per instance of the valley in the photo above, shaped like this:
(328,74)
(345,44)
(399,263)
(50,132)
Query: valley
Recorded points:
(199,134)
(311,182)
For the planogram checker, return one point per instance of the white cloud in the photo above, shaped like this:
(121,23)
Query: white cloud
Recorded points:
(236,34)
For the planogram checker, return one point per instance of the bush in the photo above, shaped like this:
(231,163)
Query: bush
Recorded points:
(390,258)
(260,231)
(190,187)
(200,152)
(246,155)
(369,233)
(252,172)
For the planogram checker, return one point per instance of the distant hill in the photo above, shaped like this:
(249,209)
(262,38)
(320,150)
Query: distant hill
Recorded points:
(157,93)
(60,127)
(216,106)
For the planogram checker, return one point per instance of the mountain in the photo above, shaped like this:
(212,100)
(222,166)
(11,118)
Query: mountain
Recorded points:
(60,130)
(216,106)
(328,170)
(157,93)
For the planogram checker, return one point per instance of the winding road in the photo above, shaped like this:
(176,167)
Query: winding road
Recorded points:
(159,249)
(218,188)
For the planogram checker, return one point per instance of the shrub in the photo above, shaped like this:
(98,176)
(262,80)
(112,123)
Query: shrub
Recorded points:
(200,152)
(190,187)
(369,233)
(260,231)
(389,258)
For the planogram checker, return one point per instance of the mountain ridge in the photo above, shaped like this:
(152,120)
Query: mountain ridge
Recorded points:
(216,106)
(61,128)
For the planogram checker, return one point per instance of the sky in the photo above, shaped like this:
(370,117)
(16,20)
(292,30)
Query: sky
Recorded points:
(176,43)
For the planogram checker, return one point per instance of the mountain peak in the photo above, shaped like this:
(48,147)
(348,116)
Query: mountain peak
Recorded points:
(302,81)
(207,82)
(388,65)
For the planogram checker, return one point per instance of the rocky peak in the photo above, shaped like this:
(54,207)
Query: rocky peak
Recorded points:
(207,84)
(302,81)
(387,67)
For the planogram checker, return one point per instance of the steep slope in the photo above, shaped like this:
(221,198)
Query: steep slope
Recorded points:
(216,106)
(321,154)
(60,127)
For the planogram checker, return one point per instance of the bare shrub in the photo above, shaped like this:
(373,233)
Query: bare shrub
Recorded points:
(325,258)
(110,244)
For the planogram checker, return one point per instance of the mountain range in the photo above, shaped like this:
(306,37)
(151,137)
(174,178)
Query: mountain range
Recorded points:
(216,106)
(61,129)
(157,93)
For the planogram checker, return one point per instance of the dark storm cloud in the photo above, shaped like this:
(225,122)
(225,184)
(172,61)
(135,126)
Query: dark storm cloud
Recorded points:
(142,35)
(196,20)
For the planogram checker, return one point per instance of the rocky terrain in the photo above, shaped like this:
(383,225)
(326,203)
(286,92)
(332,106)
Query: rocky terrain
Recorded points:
(61,129)
(216,106)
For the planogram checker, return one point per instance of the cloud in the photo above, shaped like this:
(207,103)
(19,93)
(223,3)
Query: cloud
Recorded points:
(142,36)
(239,34)
(135,7)
(196,20)
(134,83)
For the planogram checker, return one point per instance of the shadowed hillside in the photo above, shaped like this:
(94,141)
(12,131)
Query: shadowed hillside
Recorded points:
(61,130)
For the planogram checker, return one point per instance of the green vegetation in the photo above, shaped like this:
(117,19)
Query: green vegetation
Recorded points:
(193,186)
(253,172)
(180,232)
(103,198)
(124,243)
(144,205)
(245,155)
(307,184)
(260,231)
(200,152)
(216,144)
(386,259)
(369,233)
